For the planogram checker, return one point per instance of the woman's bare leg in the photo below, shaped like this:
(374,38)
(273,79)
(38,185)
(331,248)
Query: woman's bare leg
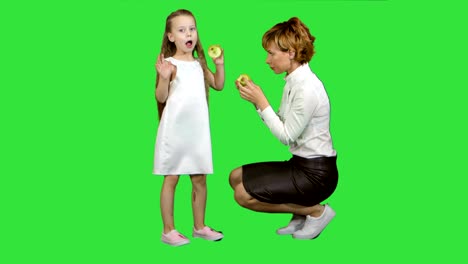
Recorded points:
(245,200)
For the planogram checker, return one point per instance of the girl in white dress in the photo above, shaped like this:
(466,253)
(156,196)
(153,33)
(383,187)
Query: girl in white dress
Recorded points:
(183,143)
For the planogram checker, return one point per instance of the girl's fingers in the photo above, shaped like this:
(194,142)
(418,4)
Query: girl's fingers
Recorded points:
(161,58)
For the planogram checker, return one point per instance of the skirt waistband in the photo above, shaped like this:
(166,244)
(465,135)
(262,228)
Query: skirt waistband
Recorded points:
(318,160)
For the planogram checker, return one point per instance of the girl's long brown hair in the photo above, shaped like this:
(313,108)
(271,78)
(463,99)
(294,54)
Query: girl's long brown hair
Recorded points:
(168,48)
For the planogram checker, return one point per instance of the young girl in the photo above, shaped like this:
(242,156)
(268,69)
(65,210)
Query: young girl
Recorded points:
(183,143)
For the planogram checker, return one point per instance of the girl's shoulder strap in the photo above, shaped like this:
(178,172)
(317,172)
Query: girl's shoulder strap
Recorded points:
(171,59)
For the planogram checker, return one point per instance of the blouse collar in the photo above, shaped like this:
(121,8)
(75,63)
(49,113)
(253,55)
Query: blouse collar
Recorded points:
(298,73)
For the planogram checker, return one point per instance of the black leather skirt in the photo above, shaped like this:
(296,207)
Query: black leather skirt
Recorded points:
(299,180)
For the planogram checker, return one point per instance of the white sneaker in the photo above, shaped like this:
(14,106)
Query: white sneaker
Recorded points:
(296,223)
(313,226)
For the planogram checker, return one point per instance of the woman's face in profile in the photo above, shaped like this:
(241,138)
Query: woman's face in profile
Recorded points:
(279,61)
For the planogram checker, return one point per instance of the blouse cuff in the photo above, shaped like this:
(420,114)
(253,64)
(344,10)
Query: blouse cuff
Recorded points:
(267,113)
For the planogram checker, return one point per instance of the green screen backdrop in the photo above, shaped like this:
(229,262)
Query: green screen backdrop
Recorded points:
(79,122)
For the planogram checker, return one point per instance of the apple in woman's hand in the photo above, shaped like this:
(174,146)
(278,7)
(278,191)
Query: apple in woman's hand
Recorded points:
(243,79)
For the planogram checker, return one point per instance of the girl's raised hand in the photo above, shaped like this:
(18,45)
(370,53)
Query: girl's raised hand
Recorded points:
(164,68)
(219,60)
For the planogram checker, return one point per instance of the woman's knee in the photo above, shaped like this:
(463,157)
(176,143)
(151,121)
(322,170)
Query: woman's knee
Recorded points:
(241,196)
(240,199)
(235,177)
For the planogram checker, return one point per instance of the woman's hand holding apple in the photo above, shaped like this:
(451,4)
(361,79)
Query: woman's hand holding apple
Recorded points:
(252,93)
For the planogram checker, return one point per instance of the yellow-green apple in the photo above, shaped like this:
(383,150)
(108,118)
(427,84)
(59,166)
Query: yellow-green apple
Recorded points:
(214,51)
(243,79)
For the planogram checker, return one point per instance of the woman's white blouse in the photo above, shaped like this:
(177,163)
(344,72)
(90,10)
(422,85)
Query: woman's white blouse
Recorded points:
(303,119)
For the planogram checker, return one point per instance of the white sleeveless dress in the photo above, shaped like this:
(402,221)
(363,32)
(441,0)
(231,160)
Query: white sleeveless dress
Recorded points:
(183,142)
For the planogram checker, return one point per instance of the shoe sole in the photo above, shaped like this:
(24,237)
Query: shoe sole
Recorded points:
(176,244)
(209,239)
(306,237)
(283,233)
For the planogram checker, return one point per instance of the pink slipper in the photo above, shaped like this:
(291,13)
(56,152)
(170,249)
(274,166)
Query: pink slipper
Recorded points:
(208,234)
(174,238)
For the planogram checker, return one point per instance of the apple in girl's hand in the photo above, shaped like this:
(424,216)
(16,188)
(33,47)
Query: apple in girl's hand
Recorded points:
(214,51)
(243,79)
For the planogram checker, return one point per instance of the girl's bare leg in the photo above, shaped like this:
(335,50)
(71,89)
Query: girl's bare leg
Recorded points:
(199,193)
(167,201)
